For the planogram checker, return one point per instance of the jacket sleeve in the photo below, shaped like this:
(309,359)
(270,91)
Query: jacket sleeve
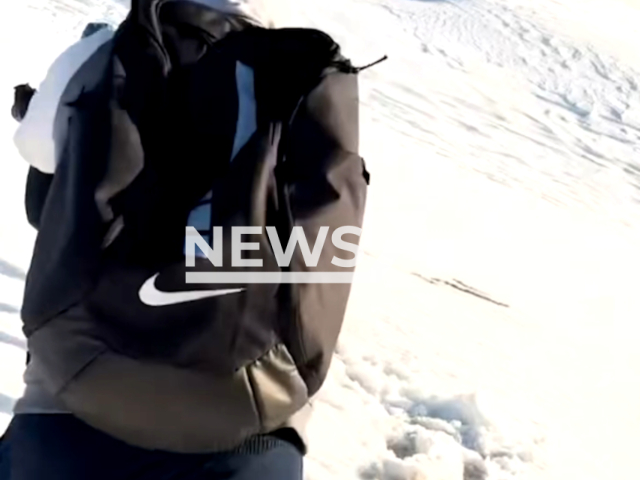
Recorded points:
(38,184)
(326,186)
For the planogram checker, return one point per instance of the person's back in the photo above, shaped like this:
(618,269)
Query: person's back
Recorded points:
(190,118)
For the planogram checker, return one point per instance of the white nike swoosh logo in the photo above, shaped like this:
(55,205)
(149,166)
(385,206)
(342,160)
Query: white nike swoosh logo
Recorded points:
(151,296)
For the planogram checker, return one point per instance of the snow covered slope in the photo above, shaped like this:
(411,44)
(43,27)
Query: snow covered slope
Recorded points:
(491,332)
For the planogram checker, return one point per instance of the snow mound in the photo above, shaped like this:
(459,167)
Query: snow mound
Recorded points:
(430,436)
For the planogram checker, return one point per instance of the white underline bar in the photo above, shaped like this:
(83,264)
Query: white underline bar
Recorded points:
(268,277)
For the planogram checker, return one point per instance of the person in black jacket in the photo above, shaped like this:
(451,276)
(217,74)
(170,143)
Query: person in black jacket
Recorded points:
(191,115)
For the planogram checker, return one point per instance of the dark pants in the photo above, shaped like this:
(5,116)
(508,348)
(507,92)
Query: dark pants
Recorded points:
(60,447)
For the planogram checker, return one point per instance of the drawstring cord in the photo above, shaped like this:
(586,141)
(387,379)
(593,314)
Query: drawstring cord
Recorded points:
(377,62)
(346,67)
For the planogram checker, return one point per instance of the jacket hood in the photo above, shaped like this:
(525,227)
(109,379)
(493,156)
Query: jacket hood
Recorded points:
(267,13)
